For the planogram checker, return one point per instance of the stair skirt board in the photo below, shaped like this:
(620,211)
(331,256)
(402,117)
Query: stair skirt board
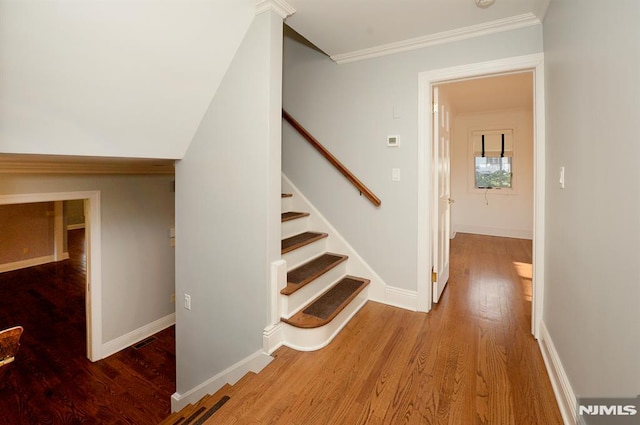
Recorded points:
(311,339)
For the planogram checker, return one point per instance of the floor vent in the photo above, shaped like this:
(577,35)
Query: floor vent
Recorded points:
(144,342)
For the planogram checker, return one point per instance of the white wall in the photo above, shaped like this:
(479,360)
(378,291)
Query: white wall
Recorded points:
(137,259)
(112,78)
(228,213)
(592,282)
(350,109)
(503,212)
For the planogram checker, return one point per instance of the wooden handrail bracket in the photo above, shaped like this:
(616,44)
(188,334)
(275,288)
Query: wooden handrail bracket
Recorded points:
(364,190)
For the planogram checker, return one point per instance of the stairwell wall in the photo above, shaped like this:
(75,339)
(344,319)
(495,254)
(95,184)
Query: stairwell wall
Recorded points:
(228,216)
(351,108)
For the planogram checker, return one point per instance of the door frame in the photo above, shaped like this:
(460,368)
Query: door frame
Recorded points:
(93,287)
(534,63)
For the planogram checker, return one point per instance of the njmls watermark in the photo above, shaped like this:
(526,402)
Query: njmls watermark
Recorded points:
(609,411)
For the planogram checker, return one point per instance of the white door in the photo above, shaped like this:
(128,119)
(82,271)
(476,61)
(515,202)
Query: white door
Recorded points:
(441,194)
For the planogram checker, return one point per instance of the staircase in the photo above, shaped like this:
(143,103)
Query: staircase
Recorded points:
(319,297)
(206,407)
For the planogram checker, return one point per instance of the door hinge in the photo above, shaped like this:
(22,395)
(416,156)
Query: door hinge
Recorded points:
(434,276)
(434,108)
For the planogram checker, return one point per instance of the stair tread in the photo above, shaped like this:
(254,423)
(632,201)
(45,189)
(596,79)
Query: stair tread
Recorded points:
(300,240)
(327,306)
(286,195)
(292,215)
(300,276)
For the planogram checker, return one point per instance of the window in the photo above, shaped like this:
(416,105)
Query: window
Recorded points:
(492,159)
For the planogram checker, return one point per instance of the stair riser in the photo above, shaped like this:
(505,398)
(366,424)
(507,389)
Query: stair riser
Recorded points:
(293,227)
(286,204)
(291,304)
(305,339)
(298,256)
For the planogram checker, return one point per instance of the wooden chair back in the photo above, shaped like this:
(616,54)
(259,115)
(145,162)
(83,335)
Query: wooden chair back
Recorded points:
(9,344)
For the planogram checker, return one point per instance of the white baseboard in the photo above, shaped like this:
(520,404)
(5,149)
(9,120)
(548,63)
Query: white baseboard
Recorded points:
(137,335)
(23,264)
(565,396)
(272,338)
(254,363)
(494,231)
(75,226)
(399,297)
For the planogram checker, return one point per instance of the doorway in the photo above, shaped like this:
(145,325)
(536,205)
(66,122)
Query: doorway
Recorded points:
(93,287)
(426,169)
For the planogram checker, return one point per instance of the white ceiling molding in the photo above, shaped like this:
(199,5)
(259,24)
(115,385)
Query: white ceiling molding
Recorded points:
(541,10)
(506,24)
(280,7)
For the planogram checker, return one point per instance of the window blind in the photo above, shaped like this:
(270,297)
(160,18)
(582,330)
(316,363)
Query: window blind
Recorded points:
(493,145)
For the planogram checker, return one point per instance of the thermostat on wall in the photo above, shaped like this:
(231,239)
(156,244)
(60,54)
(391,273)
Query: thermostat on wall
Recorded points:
(393,141)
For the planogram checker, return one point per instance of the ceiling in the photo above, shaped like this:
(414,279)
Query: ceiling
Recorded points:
(348,30)
(494,93)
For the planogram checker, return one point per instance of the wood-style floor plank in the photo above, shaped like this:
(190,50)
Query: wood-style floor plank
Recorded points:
(472,360)
(51,380)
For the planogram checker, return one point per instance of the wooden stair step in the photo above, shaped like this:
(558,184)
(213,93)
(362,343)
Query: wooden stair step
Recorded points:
(200,411)
(300,240)
(286,195)
(292,215)
(328,305)
(300,276)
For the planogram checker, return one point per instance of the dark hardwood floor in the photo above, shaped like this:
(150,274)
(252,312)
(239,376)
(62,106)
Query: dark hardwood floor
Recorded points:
(51,380)
(471,360)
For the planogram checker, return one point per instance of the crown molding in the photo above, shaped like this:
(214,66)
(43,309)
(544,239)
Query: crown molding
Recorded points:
(541,10)
(281,7)
(506,24)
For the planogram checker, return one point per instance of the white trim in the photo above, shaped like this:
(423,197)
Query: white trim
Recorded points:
(505,24)
(399,297)
(29,262)
(280,7)
(272,337)
(253,363)
(495,231)
(426,79)
(75,226)
(565,396)
(94,257)
(137,335)
(541,10)
(58,231)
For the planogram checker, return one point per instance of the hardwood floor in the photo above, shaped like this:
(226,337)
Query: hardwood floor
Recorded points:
(51,380)
(472,360)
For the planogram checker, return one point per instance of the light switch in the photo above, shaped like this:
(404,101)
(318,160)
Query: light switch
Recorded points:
(395,174)
(561,181)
